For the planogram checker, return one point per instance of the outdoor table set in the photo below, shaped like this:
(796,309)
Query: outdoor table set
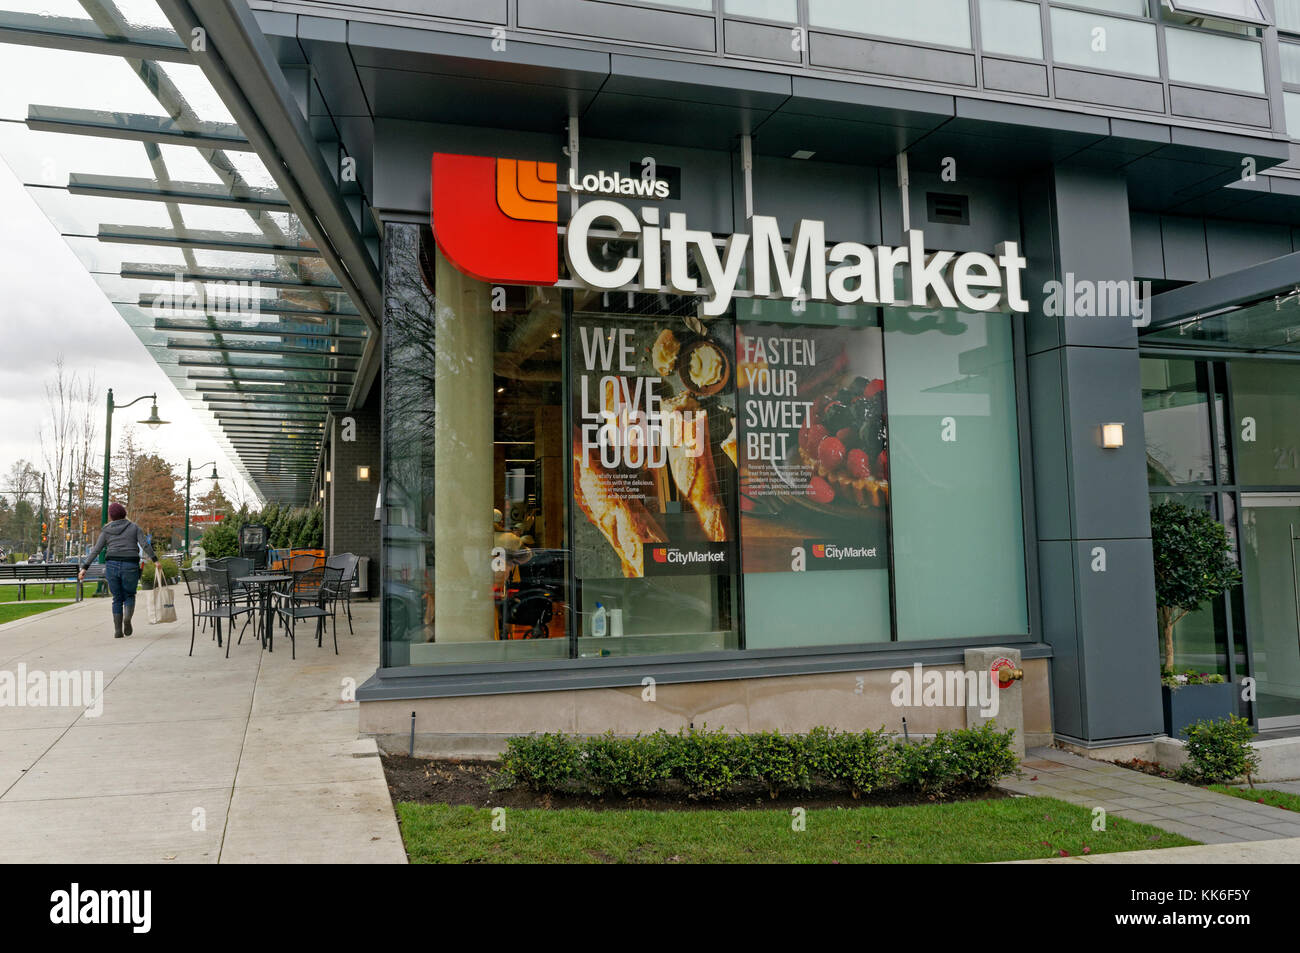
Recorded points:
(223,591)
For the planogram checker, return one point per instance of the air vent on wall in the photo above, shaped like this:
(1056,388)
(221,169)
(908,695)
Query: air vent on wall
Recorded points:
(948,209)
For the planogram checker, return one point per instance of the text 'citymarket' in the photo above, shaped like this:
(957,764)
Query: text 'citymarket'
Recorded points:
(846,273)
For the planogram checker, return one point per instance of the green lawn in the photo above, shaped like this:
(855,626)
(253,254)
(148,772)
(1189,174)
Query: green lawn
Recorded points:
(1263,795)
(962,832)
(9,611)
(36,591)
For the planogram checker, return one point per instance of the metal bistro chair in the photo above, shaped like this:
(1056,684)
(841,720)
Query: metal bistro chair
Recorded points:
(347,562)
(214,590)
(305,598)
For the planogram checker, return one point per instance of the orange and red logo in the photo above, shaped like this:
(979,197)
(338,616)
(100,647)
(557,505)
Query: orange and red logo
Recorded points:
(496,219)
(819,550)
(660,554)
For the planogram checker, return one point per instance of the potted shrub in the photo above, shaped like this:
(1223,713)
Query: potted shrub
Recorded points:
(1193,563)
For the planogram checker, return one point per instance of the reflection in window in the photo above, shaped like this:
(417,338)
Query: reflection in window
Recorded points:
(1104,43)
(1290,53)
(1201,637)
(1175,404)
(1288,15)
(476,558)
(1011,27)
(955,465)
(1266,402)
(940,22)
(1291,104)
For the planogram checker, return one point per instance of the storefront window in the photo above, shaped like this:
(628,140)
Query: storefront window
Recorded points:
(955,468)
(475,536)
(1201,637)
(1175,402)
(814,475)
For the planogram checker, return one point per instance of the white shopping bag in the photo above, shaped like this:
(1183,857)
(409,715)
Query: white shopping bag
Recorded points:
(162,606)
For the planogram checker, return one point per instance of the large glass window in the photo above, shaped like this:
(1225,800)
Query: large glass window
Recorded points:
(475,532)
(1288,15)
(955,466)
(1175,395)
(1210,59)
(785,10)
(1104,43)
(1266,405)
(940,22)
(1012,28)
(815,475)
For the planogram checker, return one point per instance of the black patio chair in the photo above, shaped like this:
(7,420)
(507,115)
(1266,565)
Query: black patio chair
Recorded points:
(222,605)
(307,597)
(347,562)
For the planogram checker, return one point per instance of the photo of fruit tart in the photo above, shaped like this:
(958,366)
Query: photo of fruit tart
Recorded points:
(845,446)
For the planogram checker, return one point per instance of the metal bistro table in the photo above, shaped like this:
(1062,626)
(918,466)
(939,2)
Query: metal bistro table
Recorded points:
(264,583)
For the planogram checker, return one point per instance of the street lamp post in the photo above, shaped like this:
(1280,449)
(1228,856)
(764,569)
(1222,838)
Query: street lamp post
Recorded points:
(153,422)
(67,536)
(188,470)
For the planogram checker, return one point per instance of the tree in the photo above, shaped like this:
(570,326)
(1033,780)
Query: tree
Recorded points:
(1193,563)
(148,488)
(220,540)
(214,502)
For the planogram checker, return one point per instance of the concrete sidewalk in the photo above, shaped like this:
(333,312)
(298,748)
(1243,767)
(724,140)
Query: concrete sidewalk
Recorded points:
(206,759)
(1194,812)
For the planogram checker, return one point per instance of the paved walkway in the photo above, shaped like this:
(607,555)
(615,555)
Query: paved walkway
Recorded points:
(206,759)
(1194,812)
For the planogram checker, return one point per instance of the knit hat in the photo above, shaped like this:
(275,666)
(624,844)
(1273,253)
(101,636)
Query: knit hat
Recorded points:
(116,511)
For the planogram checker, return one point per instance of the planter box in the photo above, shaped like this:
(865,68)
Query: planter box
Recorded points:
(1189,704)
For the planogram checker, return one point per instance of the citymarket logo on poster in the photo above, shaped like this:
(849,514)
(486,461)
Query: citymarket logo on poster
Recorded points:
(497,220)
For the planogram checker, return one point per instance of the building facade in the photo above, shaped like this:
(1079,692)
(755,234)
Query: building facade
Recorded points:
(740,354)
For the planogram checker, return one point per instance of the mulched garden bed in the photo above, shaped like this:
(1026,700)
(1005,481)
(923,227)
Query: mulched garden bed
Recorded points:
(445,781)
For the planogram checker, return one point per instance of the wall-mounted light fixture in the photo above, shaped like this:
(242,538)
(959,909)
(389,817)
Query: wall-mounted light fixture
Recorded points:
(363,474)
(1112,436)
(329,476)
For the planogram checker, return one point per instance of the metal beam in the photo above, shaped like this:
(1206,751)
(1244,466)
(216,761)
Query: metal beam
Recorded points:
(135,128)
(210,239)
(1248,285)
(183,193)
(73,34)
(263,277)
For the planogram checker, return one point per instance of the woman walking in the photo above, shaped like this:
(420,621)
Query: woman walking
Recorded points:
(125,541)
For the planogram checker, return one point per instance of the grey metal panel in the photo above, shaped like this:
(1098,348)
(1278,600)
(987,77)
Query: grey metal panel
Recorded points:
(1060,630)
(1148,252)
(993,204)
(1117,635)
(1108,487)
(671,121)
(1108,90)
(866,103)
(389,47)
(447,98)
(847,199)
(619,22)
(404,150)
(1093,243)
(1218,107)
(892,59)
(1249,284)
(705,184)
(1014,77)
(1038,235)
(696,82)
(483,11)
(1186,258)
(1236,245)
(1051,458)
(784,133)
(759,41)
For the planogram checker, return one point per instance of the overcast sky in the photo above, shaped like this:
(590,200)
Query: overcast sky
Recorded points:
(49,305)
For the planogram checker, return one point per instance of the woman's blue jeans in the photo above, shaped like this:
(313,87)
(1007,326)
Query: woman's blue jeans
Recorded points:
(122,579)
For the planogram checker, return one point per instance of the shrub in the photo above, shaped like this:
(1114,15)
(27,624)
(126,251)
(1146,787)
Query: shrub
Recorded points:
(861,761)
(170,572)
(704,761)
(546,762)
(928,766)
(1219,751)
(983,755)
(625,764)
(779,761)
(220,541)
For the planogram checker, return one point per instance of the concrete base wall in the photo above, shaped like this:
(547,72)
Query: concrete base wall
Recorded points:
(477,726)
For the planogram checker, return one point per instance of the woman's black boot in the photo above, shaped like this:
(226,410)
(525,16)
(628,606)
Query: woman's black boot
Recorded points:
(117,625)
(127,612)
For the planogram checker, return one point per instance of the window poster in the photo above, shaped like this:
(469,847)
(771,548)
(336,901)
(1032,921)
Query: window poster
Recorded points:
(654,445)
(812,446)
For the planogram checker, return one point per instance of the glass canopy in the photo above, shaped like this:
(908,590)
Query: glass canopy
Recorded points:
(131,153)
(1272,325)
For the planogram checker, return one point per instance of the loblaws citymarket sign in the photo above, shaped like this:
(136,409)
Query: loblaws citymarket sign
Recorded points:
(497,220)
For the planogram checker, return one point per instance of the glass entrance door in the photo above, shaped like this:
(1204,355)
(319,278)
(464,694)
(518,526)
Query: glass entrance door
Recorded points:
(1270,549)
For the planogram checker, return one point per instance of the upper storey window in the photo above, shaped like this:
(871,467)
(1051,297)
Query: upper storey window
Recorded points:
(1245,11)
(932,22)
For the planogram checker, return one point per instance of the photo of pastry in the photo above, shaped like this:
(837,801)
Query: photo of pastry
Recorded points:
(654,445)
